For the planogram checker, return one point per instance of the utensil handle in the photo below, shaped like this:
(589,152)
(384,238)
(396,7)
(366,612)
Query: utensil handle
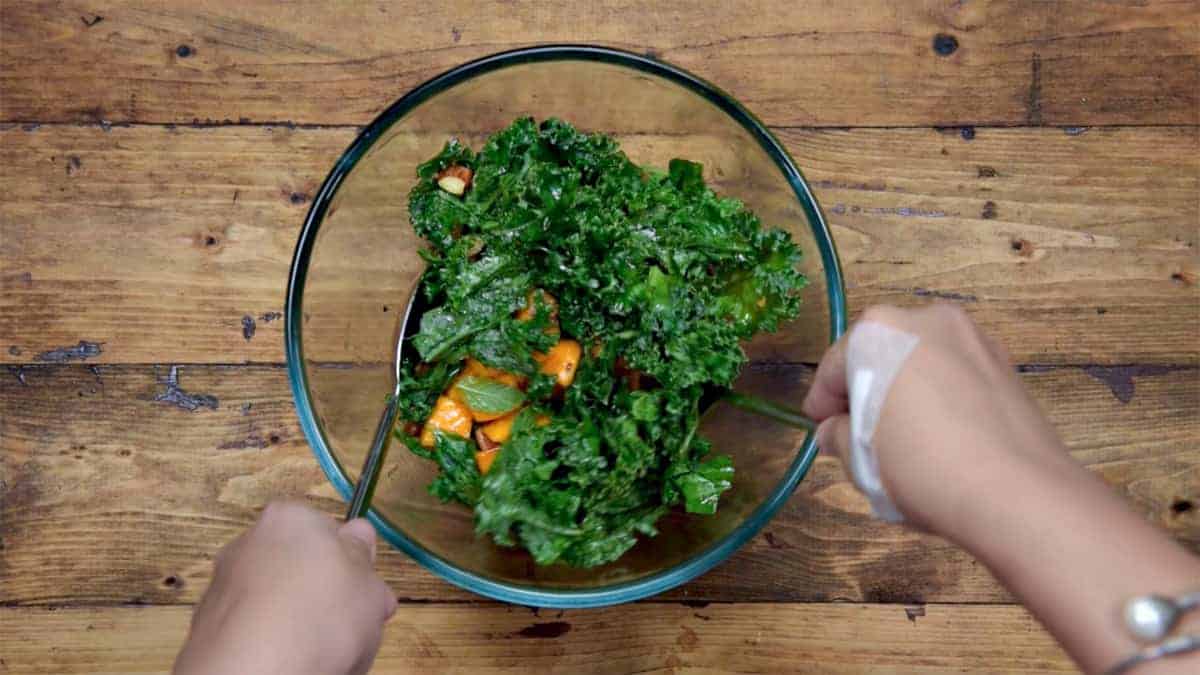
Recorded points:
(771,410)
(365,489)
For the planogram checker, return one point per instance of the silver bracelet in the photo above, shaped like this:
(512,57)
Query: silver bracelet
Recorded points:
(1150,618)
(1181,644)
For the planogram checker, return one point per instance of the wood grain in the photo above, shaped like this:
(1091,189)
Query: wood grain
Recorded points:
(163,244)
(116,492)
(436,638)
(1042,170)
(811,63)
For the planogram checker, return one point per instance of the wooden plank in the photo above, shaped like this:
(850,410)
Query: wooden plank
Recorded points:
(437,638)
(1037,233)
(813,63)
(170,245)
(112,496)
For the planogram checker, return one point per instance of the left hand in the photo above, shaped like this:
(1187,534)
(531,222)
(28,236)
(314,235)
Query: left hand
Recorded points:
(296,593)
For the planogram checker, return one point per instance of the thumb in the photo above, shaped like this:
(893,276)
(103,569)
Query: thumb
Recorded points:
(360,534)
(833,437)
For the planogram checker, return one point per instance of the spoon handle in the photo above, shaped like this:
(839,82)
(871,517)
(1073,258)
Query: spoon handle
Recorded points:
(360,503)
(766,408)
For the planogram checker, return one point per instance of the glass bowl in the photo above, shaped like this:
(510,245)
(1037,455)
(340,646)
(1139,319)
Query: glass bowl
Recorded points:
(356,266)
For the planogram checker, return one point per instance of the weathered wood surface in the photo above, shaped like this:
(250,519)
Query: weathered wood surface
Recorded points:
(145,417)
(112,496)
(160,244)
(812,63)
(648,637)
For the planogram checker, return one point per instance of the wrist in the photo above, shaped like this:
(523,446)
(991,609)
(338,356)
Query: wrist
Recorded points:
(259,638)
(1070,550)
(1005,500)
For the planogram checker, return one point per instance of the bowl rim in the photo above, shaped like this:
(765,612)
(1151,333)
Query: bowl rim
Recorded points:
(627,591)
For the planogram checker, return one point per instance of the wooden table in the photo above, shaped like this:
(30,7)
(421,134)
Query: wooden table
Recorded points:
(1037,163)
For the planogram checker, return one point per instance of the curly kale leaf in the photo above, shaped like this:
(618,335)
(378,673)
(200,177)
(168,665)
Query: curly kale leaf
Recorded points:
(656,276)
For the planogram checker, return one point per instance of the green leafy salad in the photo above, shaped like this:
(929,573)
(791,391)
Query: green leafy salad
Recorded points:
(579,306)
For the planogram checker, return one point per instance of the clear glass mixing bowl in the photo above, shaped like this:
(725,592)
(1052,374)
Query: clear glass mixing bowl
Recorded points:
(356,266)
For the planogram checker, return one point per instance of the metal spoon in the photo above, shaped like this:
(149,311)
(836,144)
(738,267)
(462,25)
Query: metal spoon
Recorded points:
(360,501)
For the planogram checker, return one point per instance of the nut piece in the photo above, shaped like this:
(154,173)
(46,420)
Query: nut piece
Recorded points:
(484,441)
(454,179)
(452,184)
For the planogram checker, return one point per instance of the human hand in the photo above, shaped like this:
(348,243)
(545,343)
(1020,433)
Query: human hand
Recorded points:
(296,593)
(956,420)
(964,452)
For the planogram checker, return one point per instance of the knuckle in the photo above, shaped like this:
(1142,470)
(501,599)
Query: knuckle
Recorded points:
(282,510)
(954,318)
(882,314)
(953,312)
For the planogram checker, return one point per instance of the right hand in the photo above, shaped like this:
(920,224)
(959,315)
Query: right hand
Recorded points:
(956,420)
(965,453)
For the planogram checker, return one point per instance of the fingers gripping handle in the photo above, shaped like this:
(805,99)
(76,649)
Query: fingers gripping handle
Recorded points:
(874,357)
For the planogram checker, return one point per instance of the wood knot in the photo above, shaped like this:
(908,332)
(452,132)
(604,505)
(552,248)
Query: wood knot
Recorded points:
(1022,247)
(687,640)
(944,44)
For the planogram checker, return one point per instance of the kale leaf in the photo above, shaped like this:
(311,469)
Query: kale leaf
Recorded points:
(657,276)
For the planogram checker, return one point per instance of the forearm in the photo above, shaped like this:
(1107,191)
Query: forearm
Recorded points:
(1071,551)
